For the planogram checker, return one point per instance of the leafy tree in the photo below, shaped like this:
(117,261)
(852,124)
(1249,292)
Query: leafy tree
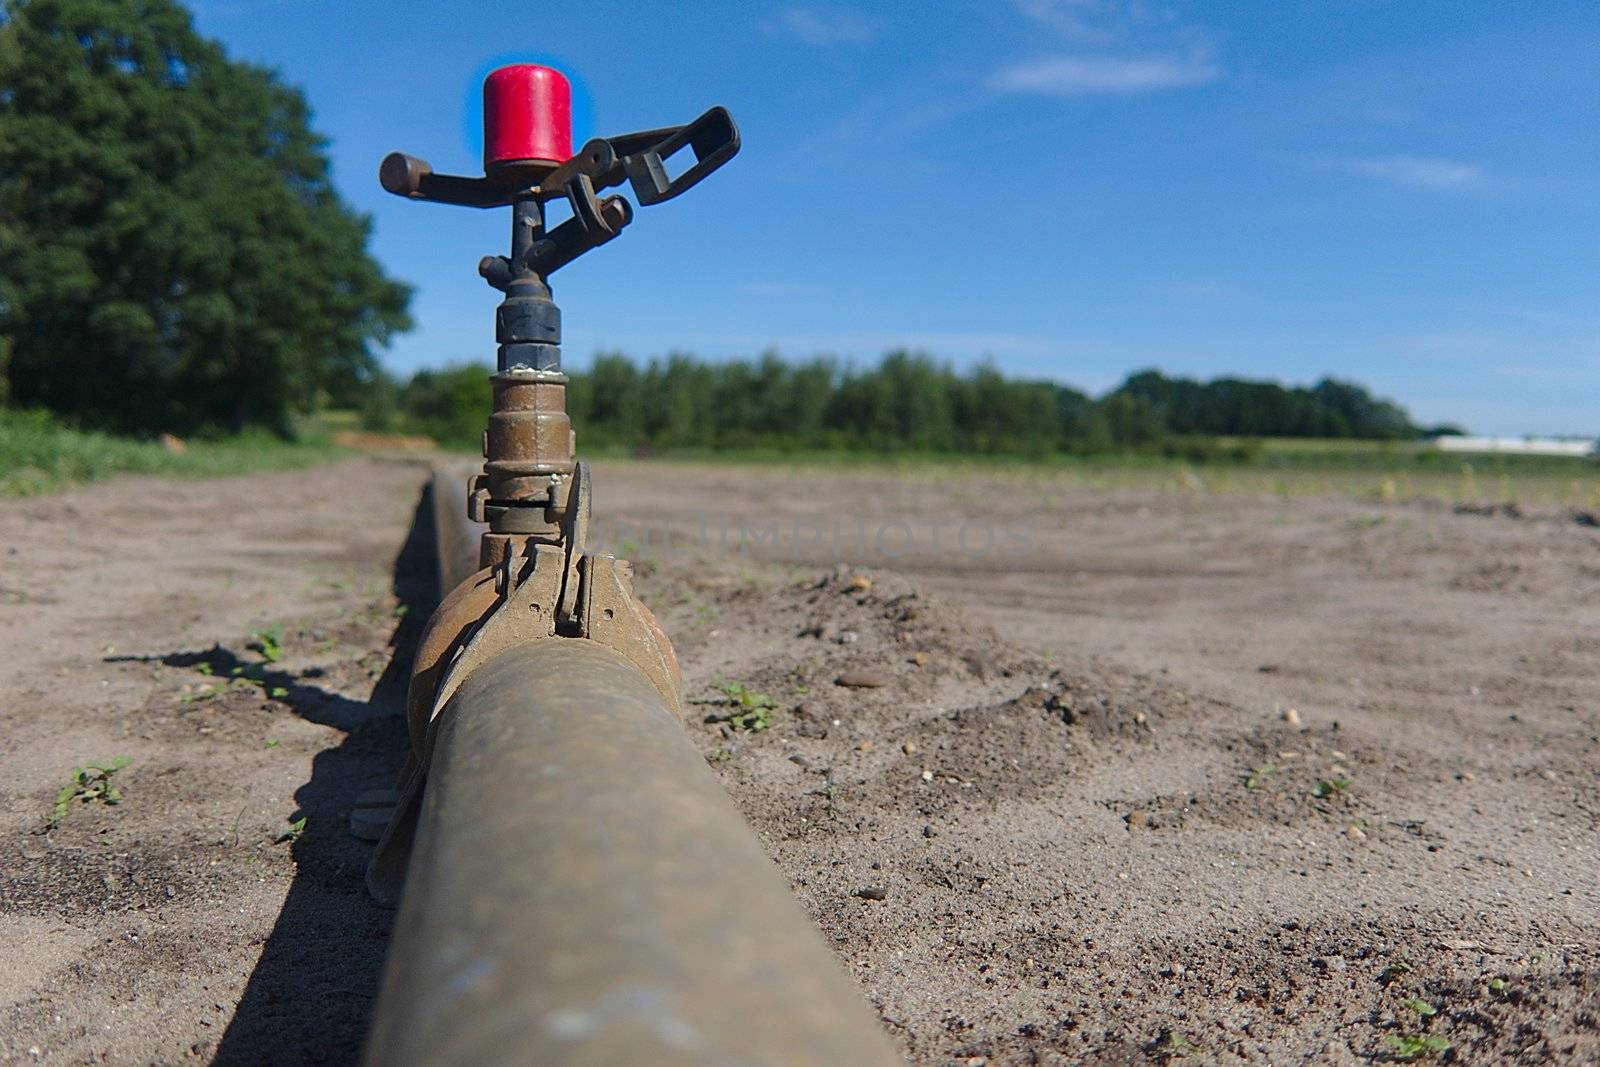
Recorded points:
(448,405)
(172,252)
(1239,407)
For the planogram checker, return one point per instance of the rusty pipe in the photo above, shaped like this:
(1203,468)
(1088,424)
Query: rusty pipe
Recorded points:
(454,535)
(583,891)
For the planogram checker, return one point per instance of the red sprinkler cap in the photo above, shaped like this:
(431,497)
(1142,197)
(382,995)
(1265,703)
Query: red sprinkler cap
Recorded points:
(527,115)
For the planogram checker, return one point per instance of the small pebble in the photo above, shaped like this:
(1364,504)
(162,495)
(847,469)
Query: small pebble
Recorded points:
(863,745)
(919,658)
(929,831)
(909,748)
(1292,717)
(859,584)
(1136,819)
(1355,833)
(927,776)
(847,637)
(872,892)
(861,680)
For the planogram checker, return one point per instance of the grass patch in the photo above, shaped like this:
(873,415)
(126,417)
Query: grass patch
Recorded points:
(40,454)
(1378,472)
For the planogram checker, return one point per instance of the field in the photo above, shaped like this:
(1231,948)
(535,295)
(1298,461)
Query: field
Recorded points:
(1291,760)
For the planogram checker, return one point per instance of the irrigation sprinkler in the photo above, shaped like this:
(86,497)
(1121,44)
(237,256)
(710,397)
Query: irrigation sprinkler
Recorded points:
(574,884)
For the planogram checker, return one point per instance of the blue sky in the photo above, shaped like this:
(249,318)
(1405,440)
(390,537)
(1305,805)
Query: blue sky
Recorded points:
(1403,192)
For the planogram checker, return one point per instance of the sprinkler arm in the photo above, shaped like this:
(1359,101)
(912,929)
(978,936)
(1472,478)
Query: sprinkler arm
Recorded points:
(637,158)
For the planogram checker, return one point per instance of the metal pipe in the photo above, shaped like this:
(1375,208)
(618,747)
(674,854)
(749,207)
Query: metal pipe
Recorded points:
(455,535)
(583,891)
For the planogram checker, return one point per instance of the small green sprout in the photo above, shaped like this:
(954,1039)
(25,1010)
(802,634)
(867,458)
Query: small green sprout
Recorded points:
(272,742)
(89,783)
(1421,1007)
(1497,985)
(1327,787)
(1177,1045)
(1415,1046)
(755,710)
(1394,971)
(1258,777)
(269,642)
(292,834)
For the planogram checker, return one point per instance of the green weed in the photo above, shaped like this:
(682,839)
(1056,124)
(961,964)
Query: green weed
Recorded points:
(268,642)
(1329,787)
(1258,777)
(1175,1045)
(754,710)
(292,834)
(243,678)
(1395,970)
(1415,1046)
(90,783)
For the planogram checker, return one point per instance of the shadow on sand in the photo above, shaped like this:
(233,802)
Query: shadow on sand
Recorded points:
(309,998)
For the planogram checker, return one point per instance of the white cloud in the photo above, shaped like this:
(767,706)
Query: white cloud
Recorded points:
(1086,21)
(1419,171)
(824,27)
(1085,75)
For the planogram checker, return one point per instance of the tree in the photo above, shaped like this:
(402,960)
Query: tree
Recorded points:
(172,252)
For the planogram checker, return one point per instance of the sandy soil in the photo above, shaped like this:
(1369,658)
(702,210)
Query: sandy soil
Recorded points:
(1072,819)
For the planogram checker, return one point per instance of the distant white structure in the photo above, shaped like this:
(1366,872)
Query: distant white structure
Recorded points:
(1525,446)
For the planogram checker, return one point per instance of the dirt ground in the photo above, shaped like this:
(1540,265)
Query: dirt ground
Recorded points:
(1133,776)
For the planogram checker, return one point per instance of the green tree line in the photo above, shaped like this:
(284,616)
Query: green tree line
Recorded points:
(908,402)
(173,255)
